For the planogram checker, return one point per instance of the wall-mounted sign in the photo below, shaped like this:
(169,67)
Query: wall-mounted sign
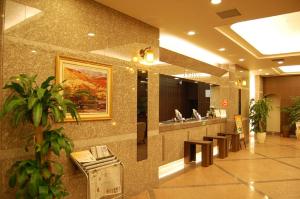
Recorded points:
(207,93)
(224,103)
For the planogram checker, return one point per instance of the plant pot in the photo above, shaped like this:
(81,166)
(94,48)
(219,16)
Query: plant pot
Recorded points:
(261,137)
(298,130)
(298,135)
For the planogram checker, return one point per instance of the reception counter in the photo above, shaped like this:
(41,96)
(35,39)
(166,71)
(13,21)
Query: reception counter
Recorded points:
(171,126)
(174,134)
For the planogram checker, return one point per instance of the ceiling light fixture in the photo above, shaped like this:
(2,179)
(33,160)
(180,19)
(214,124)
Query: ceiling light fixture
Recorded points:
(267,73)
(277,34)
(242,59)
(222,49)
(91,34)
(290,69)
(241,71)
(191,33)
(260,70)
(215,2)
(33,51)
(280,62)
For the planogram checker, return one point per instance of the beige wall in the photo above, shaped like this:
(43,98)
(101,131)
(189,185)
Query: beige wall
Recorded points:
(61,29)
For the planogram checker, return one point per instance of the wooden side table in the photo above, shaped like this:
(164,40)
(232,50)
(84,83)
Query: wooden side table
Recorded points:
(222,144)
(206,152)
(235,141)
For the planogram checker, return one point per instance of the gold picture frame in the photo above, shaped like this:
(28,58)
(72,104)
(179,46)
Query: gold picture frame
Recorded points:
(88,85)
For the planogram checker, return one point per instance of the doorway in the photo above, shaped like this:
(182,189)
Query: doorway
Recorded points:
(274,119)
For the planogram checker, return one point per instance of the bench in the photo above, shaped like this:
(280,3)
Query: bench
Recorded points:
(206,152)
(235,140)
(222,144)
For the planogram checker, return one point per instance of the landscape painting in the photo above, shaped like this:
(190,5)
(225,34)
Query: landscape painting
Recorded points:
(88,85)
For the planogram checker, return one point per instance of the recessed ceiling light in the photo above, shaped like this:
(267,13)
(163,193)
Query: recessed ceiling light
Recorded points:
(290,69)
(277,34)
(260,70)
(241,71)
(91,34)
(280,62)
(215,2)
(221,49)
(33,51)
(191,33)
(267,73)
(242,59)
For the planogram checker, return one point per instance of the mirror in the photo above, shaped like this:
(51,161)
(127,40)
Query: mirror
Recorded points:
(142,114)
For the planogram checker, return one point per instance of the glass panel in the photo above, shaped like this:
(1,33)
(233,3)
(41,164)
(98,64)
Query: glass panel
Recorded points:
(142,114)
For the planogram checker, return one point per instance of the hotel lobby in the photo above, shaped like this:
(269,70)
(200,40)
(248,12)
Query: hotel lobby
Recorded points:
(106,99)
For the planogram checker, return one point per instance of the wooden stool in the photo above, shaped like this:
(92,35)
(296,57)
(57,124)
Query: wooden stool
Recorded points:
(235,140)
(206,152)
(222,144)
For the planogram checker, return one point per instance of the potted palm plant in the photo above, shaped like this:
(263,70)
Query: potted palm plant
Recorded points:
(38,107)
(293,112)
(259,112)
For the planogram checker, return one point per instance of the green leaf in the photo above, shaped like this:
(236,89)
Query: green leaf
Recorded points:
(58,168)
(55,147)
(61,142)
(46,173)
(16,87)
(13,104)
(12,180)
(43,192)
(21,178)
(45,148)
(40,93)
(37,114)
(46,83)
(56,114)
(31,102)
(18,116)
(44,118)
(33,184)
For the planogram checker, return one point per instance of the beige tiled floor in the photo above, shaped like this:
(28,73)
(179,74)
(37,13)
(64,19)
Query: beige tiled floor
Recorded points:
(269,171)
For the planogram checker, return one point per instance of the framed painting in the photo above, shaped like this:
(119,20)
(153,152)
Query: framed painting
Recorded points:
(88,85)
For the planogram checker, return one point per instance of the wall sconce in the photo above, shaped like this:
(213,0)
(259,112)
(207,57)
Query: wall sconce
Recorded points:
(241,83)
(147,54)
(244,83)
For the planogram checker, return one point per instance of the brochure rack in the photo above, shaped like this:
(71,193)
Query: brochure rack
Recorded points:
(105,177)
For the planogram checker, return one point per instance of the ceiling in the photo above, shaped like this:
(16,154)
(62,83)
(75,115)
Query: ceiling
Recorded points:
(179,17)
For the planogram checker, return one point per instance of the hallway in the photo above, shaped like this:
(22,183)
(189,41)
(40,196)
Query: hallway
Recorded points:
(265,171)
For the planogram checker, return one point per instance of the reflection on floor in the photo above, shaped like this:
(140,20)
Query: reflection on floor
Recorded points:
(265,171)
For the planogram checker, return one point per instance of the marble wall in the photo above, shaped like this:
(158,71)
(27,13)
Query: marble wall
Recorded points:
(44,29)
(229,90)
(36,32)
